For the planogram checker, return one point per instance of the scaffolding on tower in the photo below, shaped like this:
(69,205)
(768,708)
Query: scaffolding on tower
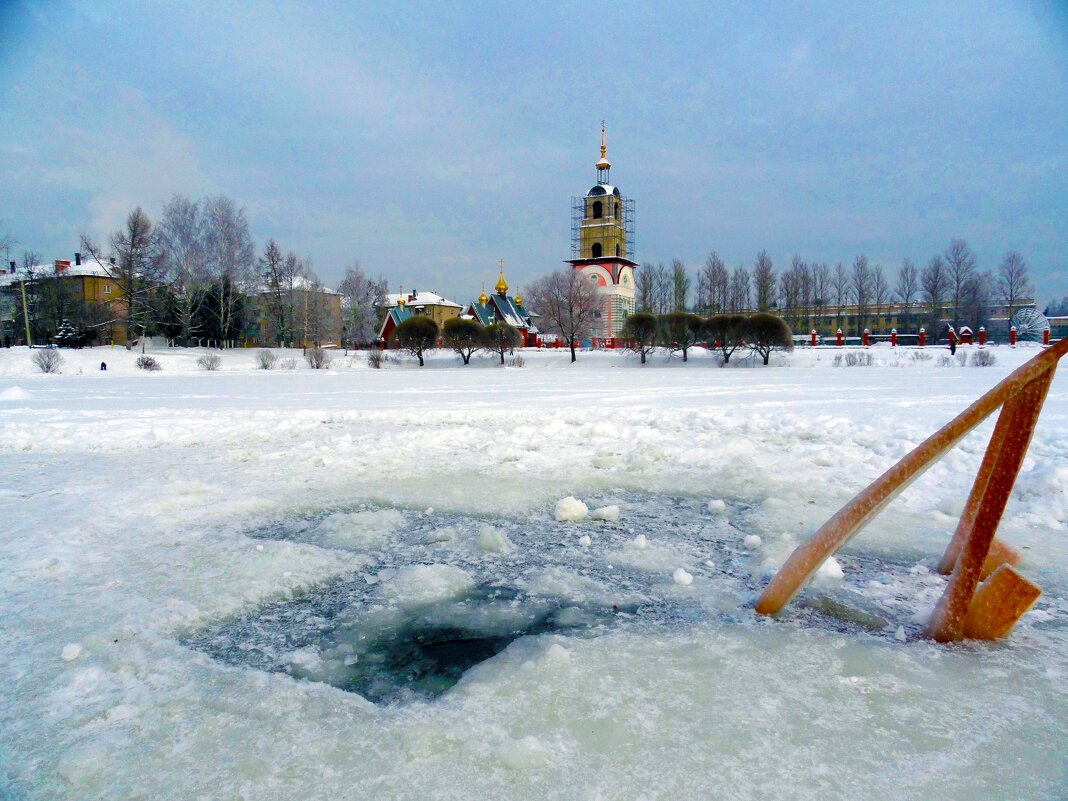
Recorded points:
(626,214)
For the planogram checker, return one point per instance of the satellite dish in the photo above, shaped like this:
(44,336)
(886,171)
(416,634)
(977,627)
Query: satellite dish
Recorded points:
(1030,323)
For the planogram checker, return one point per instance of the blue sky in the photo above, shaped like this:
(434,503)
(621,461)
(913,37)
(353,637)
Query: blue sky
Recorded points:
(429,141)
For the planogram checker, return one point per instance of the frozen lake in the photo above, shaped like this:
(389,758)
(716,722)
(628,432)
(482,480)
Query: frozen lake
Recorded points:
(351,583)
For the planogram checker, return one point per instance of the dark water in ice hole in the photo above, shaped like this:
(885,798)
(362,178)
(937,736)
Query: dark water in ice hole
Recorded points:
(350,636)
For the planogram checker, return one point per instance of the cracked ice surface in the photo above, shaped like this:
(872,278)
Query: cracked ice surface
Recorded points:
(138,512)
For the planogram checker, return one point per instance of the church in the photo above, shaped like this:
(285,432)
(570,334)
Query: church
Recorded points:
(499,308)
(602,244)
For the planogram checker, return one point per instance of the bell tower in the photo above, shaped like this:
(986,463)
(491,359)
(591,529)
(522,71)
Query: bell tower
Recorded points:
(602,244)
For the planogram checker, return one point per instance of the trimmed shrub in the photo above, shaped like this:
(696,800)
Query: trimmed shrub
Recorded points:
(983,358)
(726,332)
(266,359)
(374,359)
(148,363)
(416,335)
(765,332)
(500,338)
(641,330)
(464,336)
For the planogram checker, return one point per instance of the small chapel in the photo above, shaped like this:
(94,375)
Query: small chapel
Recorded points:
(499,308)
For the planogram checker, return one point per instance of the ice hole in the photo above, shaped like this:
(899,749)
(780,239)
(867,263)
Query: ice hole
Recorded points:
(432,601)
(397,654)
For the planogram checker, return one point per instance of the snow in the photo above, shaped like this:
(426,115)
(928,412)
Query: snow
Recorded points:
(571,509)
(608,513)
(680,576)
(141,510)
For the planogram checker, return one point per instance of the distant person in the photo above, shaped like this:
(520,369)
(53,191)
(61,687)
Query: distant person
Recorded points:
(103,365)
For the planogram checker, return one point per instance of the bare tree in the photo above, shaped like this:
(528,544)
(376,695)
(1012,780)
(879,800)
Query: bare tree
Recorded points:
(935,285)
(1013,283)
(717,278)
(184,254)
(136,268)
(701,300)
(975,299)
(806,295)
(789,293)
(960,269)
(662,281)
(568,303)
(680,285)
(280,275)
(645,288)
(740,300)
(907,290)
(840,284)
(880,293)
(860,281)
(7,244)
(230,259)
(764,281)
(821,291)
(360,296)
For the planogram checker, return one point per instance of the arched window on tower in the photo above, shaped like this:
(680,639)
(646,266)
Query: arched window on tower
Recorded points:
(617,210)
(598,210)
(595,251)
(617,251)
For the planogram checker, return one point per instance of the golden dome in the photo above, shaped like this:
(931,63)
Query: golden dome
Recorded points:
(482,299)
(502,286)
(518,301)
(400,297)
(603,164)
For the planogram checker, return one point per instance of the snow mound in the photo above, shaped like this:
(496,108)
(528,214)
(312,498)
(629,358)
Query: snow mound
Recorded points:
(717,507)
(608,513)
(752,541)
(571,509)
(15,393)
(585,541)
(70,652)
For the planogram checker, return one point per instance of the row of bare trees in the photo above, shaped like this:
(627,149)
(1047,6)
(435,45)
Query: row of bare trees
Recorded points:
(195,275)
(950,288)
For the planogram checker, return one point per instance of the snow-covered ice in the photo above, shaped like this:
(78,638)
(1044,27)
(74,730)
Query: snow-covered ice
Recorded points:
(144,513)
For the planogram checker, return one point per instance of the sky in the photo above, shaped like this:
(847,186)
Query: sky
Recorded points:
(427,141)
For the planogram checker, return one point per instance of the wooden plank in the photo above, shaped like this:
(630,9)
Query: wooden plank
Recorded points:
(998,603)
(836,532)
(947,622)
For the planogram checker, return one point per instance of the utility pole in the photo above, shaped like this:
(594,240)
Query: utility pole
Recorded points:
(26,314)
